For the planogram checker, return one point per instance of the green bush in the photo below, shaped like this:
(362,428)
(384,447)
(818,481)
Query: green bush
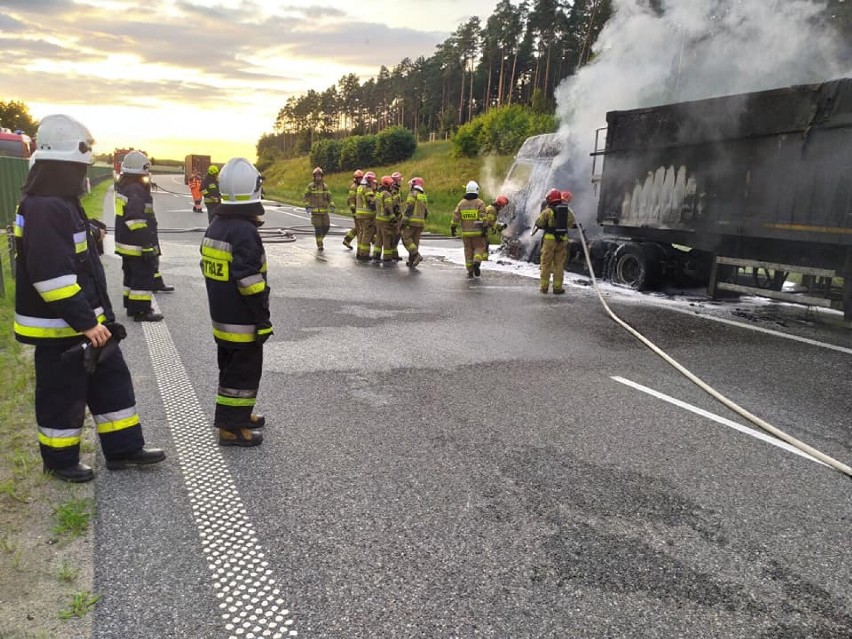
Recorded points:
(394,144)
(501,131)
(358,152)
(326,154)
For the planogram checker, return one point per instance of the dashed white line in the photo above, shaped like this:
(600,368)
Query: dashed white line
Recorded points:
(250,605)
(716,418)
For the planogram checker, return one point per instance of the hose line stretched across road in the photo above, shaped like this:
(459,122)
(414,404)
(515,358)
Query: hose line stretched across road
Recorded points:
(754,419)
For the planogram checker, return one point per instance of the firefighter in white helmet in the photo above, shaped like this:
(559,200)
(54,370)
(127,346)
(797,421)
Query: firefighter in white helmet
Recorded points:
(233,262)
(470,213)
(62,308)
(318,204)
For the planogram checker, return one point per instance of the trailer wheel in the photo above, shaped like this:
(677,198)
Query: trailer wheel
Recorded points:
(632,267)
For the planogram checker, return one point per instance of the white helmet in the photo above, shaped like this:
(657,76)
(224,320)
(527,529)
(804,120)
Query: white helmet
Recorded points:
(239,182)
(135,163)
(472,187)
(61,137)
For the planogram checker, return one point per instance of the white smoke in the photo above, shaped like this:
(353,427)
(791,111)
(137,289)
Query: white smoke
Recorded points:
(694,49)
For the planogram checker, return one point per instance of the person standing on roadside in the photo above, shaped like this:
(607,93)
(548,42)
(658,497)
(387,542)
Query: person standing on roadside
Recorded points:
(470,214)
(413,219)
(233,262)
(555,220)
(195,190)
(210,191)
(136,237)
(62,308)
(318,204)
(352,233)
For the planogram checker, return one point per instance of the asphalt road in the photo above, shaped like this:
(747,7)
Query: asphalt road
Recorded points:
(448,458)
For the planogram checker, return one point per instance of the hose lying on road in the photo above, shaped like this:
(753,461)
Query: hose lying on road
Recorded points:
(843,468)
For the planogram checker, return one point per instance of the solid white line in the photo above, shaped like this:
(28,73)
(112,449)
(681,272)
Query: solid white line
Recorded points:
(716,418)
(759,329)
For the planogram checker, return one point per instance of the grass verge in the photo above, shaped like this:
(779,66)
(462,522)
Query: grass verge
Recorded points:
(35,579)
(444,179)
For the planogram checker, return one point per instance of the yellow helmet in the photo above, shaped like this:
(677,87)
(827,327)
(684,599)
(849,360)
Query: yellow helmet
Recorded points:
(213,170)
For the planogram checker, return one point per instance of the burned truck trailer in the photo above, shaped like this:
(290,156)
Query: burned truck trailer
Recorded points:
(739,190)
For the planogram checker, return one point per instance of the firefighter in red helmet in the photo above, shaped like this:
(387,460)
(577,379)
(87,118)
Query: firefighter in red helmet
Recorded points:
(492,211)
(554,220)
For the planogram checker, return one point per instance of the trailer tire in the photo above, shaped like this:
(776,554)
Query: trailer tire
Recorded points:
(633,266)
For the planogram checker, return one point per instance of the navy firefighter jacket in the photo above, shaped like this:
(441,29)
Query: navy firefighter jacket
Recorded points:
(234,265)
(61,287)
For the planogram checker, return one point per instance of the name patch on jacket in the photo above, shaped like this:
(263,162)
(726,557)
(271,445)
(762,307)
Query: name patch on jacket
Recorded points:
(215,269)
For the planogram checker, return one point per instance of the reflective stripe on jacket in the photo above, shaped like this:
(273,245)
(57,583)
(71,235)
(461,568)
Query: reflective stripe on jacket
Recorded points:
(318,197)
(233,262)
(470,213)
(61,286)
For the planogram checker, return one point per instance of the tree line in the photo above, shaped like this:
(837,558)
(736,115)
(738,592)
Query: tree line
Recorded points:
(516,57)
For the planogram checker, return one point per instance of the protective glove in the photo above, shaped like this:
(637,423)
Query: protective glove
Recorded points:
(453,231)
(333,209)
(308,210)
(499,227)
(262,332)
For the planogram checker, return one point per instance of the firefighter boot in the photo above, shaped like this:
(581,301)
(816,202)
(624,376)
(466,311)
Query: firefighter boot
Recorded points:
(257,420)
(76,474)
(476,271)
(414,261)
(244,437)
(148,316)
(141,457)
(559,291)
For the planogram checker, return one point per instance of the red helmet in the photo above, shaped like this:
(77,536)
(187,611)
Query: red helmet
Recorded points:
(501,200)
(358,174)
(567,196)
(387,181)
(416,181)
(370,176)
(318,171)
(553,196)
(397,177)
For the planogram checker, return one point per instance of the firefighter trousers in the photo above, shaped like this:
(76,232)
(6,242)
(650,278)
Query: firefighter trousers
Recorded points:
(139,274)
(321,223)
(411,239)
(553,254)
(474,251)
(366,226)
(62,392)
(240,370)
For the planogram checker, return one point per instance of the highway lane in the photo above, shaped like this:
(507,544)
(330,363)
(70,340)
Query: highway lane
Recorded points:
(455,458)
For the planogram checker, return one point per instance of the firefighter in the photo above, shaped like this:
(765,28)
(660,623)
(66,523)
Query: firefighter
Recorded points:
(195,190)
(318,204)
(352,233)
(233,262)
(136,237)
(365,214)
(386,222)
(396,191)
(62,308)
(413,219)
(470,212)
(492,211)
(210,191)
(555,220)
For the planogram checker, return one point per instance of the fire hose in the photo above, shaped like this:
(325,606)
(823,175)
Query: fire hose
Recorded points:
(754,419)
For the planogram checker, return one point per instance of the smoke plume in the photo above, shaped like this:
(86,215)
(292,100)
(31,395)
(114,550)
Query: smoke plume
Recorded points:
(688,50)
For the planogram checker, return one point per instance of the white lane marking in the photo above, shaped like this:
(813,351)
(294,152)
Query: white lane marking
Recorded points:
(760,329)
(716,418)
(249,603)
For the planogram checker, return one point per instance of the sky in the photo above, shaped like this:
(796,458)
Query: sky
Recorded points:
(174,77)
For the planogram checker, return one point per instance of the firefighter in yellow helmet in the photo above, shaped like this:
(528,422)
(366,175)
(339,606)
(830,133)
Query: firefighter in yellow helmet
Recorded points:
(492,211)
(352,233)
(210,191)
(318,204)
(556,218)
(470,213)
